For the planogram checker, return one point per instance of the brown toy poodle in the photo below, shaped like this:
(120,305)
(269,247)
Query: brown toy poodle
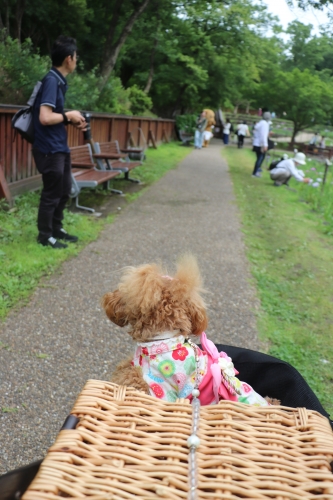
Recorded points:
(162,313)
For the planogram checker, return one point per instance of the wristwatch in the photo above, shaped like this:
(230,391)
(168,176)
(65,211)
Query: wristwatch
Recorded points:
(66,120)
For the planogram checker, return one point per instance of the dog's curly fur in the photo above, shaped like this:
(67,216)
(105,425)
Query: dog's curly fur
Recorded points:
(150,301)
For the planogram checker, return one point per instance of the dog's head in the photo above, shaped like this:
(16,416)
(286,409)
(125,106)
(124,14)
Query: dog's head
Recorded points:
(151,302)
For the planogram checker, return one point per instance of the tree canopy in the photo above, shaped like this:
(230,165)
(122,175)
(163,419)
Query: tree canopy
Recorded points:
(170,56)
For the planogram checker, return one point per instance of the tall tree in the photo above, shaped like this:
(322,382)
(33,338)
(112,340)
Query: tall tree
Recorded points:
(300,96)
(115,38)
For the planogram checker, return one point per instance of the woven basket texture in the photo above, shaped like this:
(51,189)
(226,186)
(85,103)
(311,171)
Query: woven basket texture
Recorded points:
(131,445)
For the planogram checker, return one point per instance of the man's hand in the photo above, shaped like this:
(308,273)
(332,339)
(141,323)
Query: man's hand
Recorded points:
(77,119)
(264,149)
(306,180)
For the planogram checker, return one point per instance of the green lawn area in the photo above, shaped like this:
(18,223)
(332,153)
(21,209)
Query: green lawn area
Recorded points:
(23,262)
(289,243)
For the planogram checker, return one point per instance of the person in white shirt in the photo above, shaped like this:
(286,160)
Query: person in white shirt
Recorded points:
(260,142)
(226,131)
(242,132)
(286,169)
(322,143)
(314,139)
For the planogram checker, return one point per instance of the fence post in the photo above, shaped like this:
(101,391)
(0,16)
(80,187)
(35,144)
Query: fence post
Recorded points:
(4,190)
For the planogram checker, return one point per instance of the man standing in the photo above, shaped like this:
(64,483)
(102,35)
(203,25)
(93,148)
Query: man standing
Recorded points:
(260,142)
(50,148)
(200,130)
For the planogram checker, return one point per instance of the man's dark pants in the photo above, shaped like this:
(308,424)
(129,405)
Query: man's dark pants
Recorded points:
(240,140)
(57,182)
(260,159)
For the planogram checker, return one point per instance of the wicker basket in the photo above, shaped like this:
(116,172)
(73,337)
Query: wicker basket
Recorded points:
(130,445)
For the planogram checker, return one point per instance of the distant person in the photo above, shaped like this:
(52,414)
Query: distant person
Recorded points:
(286,169)
(314,139)
(226,131)
(200,130)
(259,112)
(242,132)
(260,142)
(322,143)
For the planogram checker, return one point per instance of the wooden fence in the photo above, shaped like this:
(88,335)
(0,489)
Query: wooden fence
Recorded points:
(16,156)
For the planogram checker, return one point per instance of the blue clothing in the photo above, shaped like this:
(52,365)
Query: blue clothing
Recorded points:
(226,138)
(259,160)
(198,138)
(50,139)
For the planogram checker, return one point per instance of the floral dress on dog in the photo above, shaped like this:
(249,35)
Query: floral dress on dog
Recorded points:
(169,368)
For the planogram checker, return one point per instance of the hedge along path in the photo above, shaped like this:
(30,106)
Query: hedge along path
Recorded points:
(63,337)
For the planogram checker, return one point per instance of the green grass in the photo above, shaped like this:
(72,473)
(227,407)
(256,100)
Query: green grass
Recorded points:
(288,236)
(23,262)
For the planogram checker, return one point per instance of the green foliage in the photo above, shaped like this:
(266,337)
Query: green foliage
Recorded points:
(84,94)
(186,123)
(186,55)
(20,69)
(140,101)
(303,96)
(291,264)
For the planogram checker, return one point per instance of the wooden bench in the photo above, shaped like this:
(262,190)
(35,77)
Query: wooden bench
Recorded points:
(186,138)
(312,149)
(109,157)
(86,175)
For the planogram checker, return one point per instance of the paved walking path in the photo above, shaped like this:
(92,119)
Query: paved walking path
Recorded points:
(191,208)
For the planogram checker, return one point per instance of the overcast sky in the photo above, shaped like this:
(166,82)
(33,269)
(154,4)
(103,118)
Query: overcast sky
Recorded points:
(286,15)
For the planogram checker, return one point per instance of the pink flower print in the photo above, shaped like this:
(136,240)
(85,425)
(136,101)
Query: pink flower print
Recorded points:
(157,390)
(145,351)
(247,388)
(153,356)
(179,379)
(159,348)
(140,361)
(180,354)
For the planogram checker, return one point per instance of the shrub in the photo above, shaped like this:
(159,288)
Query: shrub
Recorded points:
(20,69)
(186,123)
(140,101)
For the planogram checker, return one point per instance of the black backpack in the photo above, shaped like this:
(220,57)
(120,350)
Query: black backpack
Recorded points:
(274,164)
(22,121)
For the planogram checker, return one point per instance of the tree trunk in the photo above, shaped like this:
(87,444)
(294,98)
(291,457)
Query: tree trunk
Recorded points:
(7,20)
(295,131)
(113,47)
(151,70)
(20,6)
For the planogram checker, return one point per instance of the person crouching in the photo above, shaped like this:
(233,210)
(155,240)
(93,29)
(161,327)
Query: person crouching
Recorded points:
(286,169)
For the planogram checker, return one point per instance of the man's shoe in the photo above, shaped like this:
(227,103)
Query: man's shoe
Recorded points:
(256,175)
(277,184)
(61,234)
(51,242)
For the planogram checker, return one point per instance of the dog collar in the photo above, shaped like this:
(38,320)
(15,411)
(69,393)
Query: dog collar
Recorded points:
(161,336)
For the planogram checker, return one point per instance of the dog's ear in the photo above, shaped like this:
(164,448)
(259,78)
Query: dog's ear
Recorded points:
(115,308)
(199,319)
(188,273)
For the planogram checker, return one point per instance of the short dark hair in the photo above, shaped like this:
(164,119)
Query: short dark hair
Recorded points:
(63,46)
